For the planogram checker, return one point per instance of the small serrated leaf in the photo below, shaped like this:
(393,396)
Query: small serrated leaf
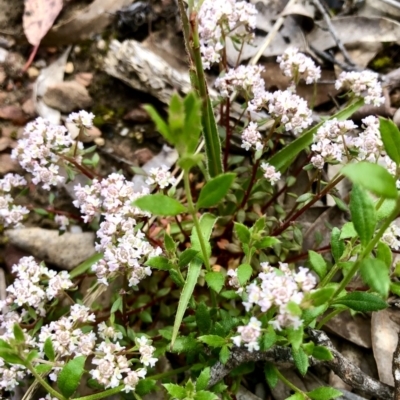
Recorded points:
(215,280)
(70,376)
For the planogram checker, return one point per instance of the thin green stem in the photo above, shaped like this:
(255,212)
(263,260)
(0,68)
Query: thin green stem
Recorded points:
(328,317)
(101,395)
(289,384)
(167,374)
(51,391)
(328,277)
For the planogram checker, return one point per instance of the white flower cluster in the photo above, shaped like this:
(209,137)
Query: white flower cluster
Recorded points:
(219,19)
(112,364)
(333,137)
(291,110)
(277,288)
(39,151)
(363,84)
(392,236)
(249,335)
(10,213)
(270,173)
(62,221)
(297,66)
(329,142)
(81,119)
(67,339)
(161,176)
(244,78)
(108,332)
(28,290)
(251,137)
(124,246)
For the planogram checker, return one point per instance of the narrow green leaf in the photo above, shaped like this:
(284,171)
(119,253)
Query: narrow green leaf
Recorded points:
(193,126)
(207,222)
(205,395)
(215,280)
(348,231)
(300,359)
(215,190)
(324,393)
(384,253)
(391,138)
(187,291)
(213,340)
(268,339)
(242,232)
(321,296)
(318,264)
(295,337)
(159,262)
(270,374)
(211,140)
(266,242)
(117,305)
(203,379)
(372,177)
(322,353)
(49,349)
(375,274)
(43,368)
(224,354)
(283,158)
(186,257)
(9,356)
(337,245)
(18,334)
(169,244)
(70,376)
(160,204)
(244,273)
(361,301)
(161,125)
(85,265)
(363,214)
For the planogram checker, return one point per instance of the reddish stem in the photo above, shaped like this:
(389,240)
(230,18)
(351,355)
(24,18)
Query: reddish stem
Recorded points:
(228,134)
(30,59)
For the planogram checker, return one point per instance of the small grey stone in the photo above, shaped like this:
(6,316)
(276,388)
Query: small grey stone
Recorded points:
(66,251)
(67,96)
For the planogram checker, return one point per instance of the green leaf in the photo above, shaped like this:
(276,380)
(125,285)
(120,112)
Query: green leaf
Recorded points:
(372,177)
(224,354)
(161,125)
(266,242)
(207,222)
(203,318)
(300,359)
(160,204)
(49,349)
(205,395)
(375,274)
(324,393)
(169,244)
(363,214)
(337,245)
(295,338)
(391,138)
(215,280)
(70,376)
(187,292)
(215,190)
(203,379)
(270,374)
(117,305)
(296,396)
(318,264)
(145,386)
(186,257)
(348,231)
(159,262)
(211,140)
(321,296)
(213,340)
(18,334)
(244,273)
(361,301)
(268,339)
(175,391)
(322,353)
(311,313)
(43,368)
(193,127)
(85,265)
(242,232)
(384,253)
(283,158)
(33,354)
(10,356)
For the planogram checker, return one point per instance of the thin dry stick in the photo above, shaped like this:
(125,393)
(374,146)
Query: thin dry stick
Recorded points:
(332,31)
(396,370)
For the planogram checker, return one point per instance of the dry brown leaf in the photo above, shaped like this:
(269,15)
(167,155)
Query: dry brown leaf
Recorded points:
(39,17)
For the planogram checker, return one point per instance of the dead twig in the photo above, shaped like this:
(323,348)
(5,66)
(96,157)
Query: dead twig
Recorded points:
(321,8)
(396,370)
(327,57)
(282,357)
